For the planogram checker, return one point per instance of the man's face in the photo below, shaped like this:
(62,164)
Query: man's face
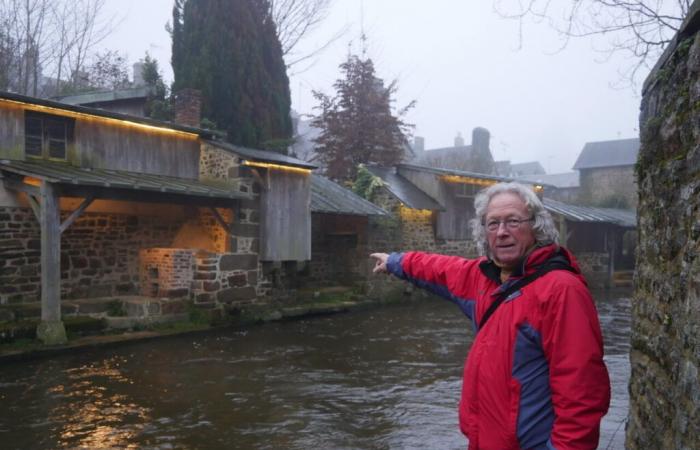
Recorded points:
(508,245)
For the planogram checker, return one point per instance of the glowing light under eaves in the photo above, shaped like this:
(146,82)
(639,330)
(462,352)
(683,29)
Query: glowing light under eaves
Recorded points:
(277,167)
(92,118)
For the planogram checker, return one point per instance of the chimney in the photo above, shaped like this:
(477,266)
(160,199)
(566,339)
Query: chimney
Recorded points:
(188,107)
(138,74)
(459,140)
(418,144)
(481,153)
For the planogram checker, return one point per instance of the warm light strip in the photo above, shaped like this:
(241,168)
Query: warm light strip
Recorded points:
(468,180)
(478,181)
(32,181)
(277,166)
(109,120)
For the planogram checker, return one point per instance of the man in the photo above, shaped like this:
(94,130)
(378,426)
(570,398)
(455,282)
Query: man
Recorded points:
(534,377)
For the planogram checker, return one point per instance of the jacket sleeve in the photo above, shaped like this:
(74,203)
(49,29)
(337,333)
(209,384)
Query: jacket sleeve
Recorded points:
(451,277)
(579,381)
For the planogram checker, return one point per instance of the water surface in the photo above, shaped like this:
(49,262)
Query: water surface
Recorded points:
(379,379)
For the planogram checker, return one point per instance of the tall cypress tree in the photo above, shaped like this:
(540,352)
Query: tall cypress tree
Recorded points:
(229,50)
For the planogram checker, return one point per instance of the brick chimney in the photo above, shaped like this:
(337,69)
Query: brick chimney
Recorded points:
(481,153)
(188,107)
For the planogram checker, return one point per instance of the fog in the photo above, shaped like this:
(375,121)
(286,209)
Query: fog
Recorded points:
(463,64)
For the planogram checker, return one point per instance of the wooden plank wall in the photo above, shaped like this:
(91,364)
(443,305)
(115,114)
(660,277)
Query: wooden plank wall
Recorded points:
(111,145)
(133,149)
(286,217)
(11,132)
(453,223)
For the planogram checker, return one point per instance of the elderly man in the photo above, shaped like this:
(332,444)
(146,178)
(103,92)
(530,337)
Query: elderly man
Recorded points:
(534,377)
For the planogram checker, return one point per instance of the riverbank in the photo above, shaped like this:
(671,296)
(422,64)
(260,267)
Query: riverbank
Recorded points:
(86,332)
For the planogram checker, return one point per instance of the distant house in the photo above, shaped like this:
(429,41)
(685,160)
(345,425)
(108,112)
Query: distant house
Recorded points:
(603,239)
(527,168)
(606,171)
(558,186)
(475,157)
(131,101)
(433,207)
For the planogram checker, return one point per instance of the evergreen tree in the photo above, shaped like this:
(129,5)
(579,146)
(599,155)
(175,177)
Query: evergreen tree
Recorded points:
(158,105)
(357,125)
(229,50)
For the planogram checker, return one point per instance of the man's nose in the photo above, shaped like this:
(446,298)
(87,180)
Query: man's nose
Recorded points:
(502,229)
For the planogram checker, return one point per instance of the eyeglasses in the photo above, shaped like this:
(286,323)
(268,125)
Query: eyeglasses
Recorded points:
(511,224)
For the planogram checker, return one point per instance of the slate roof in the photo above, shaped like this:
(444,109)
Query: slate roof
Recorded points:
(63,173)
(104,113)
(105,96)
(459,173)
(620,152)
(621,217)
(527,168)
(558,180)
(330,197)
(265,156)
(404,190)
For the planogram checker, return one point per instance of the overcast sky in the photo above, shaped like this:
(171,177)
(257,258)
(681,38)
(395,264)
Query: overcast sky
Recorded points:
(461,63)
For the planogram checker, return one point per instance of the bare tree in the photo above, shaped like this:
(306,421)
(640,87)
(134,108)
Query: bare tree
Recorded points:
(639,28)
(294,20)
(48,37)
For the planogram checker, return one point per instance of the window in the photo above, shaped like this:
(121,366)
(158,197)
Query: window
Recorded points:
(47,136)
(463,190)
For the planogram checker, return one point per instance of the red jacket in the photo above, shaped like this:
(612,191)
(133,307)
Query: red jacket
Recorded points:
(534,377)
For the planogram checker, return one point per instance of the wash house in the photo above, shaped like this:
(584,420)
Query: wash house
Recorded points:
(96,204)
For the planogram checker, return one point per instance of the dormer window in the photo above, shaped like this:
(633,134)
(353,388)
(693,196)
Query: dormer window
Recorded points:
(46,135)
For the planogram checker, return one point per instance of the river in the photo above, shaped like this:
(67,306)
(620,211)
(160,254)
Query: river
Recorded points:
(377,379)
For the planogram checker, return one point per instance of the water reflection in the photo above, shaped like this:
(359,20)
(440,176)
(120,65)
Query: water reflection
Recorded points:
(379,379)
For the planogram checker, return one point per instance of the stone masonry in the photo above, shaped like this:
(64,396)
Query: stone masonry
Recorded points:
(99,254)
(665,350)
(611,187)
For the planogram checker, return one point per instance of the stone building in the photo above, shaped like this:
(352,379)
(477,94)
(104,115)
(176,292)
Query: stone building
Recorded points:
(95,204)
(665,343)
(475,157)
(606,173)
(432,210)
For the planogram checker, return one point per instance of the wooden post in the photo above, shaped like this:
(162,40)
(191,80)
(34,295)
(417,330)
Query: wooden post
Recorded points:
(51,330)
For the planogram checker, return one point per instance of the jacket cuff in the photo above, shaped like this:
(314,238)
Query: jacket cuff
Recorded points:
(393,265)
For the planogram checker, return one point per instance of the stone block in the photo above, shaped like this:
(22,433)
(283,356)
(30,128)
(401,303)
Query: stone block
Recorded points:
(203,298)
(100,290)
(204,276)
(125,289)
(238,262)
(253,277)
(78,262)
(236,294)
(211,286)
(238,280)
(176,293)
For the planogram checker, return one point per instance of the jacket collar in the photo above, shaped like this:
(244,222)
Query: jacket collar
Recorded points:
(530,262)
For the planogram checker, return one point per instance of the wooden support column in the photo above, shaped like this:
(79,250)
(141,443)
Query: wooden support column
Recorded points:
(51,330)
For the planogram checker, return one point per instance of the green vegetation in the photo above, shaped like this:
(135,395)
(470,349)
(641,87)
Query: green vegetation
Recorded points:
(357,123)
(229,50)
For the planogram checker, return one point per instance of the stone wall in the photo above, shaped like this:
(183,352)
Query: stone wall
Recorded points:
(99,254)
(665,350)
(611,187)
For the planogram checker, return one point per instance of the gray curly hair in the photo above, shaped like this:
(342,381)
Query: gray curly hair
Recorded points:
(544,228)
